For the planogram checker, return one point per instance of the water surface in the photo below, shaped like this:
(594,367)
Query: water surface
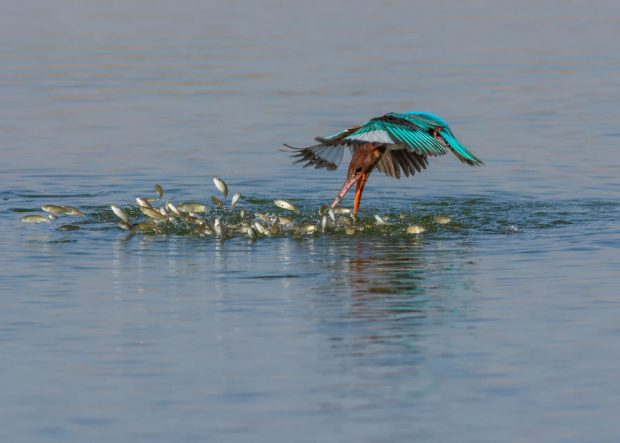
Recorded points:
(500,326)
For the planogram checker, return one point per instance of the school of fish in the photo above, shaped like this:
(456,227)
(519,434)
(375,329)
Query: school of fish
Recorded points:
(222,220)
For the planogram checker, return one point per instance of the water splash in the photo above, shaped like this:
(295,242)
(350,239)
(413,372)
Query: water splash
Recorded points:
(256,218)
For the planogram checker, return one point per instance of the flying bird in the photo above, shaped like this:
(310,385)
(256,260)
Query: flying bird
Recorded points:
(391,143)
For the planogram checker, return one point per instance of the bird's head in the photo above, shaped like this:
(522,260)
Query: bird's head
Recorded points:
(362,163)
(364,160)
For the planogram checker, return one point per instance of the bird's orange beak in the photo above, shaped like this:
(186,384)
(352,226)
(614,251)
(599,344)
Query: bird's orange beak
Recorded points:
(361,182)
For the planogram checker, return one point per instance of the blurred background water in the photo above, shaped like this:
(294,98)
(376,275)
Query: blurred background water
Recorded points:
(503,327)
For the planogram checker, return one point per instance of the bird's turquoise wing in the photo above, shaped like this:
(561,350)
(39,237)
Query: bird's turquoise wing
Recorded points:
(459,149)
(440,129)
(421,133)
(397,132)
(337,138)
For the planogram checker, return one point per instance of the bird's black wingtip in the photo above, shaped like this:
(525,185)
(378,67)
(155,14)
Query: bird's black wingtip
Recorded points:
(289,148)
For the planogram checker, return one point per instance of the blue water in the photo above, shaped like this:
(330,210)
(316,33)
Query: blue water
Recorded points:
(501,326)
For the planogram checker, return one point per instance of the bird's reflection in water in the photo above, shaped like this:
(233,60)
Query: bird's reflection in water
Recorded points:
(384,268)
(383,294)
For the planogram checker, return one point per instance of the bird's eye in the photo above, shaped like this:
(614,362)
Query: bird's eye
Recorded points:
(358,170)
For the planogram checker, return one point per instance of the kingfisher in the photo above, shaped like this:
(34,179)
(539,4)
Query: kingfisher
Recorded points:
(391,143)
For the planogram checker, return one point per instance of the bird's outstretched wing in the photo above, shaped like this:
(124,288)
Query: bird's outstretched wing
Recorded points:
(397,133)
(409,139)
(339,138)
(319,156)
(327,153)
(436,126)
(420,132)
(392,162)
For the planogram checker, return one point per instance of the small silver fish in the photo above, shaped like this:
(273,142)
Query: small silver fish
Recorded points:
(350,230)
(415,229)
(216,201)
(192,207)
(36,219)
(153,213)
(342,211)
(118,211)
(162,211)
(442,219)
(172,208)
(380,220)
(221,186)
(332,214)
(54,209)
(242,213)
(217,227)
(251,233)
(125,226)
(159,190)
(262,229)
(143,203)
(235,200)
(324,222)
(309,229)
(286,205)
(70,210)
